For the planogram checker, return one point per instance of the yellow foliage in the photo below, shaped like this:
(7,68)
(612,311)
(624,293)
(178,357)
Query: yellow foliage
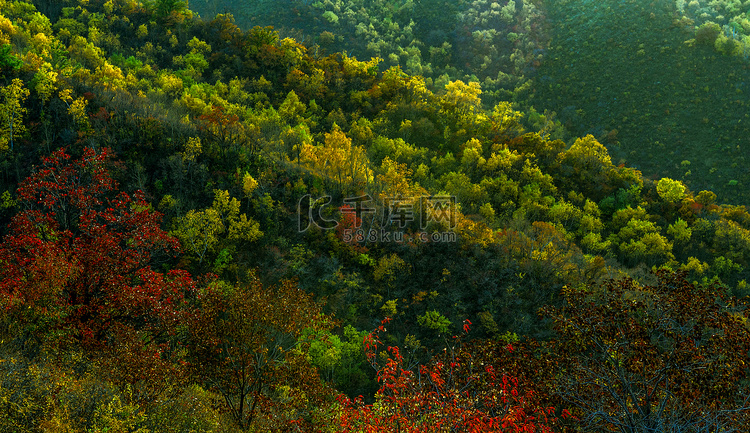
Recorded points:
(41,44)
(171,84)
(695,265)
(39,23)
(46,82)
(142,31)
(12,112)
(118,417)
(389,308)
(461,98)
(198,231)
(506,121)
(95,36)
(394,180)
(355,68)
(110,75)
(588,154)
(198,46)
(192,149)
(471,155)
(388,268)
(292,109)
(196,105)
(245,229)
(6,30)
(31,61)
(65,96)
(670,190)
(249,184)
(167,202)
(473,232)
(339,160)
(77,109)
(502,160)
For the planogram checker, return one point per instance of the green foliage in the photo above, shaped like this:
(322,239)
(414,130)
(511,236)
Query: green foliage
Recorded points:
(8,60)
(434,321)
(680,231)
(164,8)
(213,230)
(340,359)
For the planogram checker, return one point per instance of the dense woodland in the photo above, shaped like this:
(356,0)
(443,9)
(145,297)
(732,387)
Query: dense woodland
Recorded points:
(188,213)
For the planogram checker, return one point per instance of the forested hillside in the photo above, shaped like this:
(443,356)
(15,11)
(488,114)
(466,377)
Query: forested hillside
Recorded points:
(215,230)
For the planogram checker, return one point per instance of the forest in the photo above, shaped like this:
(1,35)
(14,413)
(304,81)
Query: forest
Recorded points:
(206,228)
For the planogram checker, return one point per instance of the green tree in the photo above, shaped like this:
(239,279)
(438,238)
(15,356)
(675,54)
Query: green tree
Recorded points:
(680,232)
(216,229)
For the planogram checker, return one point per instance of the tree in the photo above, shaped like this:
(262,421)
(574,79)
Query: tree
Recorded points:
(337,159)
(451,393)
(225,131)
(8,61)
(11,112)
(587,167)
(667,357)
(76,268)
(245,343)
(168,9)
(218,228)
(461,100)
(670,190)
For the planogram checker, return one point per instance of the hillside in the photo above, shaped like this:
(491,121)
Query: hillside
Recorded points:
(211,229)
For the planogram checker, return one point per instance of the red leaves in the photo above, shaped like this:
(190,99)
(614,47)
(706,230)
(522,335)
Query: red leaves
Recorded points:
(79,255)
(446,395)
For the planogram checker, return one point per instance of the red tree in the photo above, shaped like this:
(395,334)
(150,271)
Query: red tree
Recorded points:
(76,266)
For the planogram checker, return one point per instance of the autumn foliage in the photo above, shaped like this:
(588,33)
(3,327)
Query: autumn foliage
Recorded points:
(309,193)
(664,357)
(246,344)
(77,264)
(451,393)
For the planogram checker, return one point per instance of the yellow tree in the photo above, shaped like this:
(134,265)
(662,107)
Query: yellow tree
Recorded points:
(587,167)
(461,100)
(337,159)
(11,112)
(670,190)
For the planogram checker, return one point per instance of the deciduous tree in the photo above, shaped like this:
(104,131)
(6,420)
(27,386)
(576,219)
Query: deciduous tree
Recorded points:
(451,393)
(76,266)
(12,112)
(667,357)
(245,344)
